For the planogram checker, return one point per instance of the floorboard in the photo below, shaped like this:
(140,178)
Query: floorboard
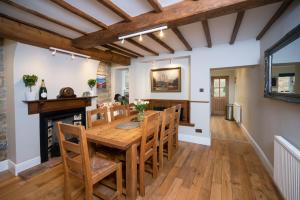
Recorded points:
(227,170)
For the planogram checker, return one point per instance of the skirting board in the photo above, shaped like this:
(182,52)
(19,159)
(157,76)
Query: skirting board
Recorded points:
(194,139)
(17,168)
(259,151)
(3,165)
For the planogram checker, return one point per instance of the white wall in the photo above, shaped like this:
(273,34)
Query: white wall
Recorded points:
(201,61)
(265,117)
(58,71)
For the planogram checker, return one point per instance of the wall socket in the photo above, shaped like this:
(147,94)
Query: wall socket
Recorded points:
(198,130)
(201,90)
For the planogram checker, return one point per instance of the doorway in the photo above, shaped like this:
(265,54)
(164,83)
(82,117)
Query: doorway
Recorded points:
(219,94)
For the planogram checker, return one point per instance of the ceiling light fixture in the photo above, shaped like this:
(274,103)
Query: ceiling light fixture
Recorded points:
(73,54)
(141,38)
(143,32)
(161,33)
(73,57)
(123,41)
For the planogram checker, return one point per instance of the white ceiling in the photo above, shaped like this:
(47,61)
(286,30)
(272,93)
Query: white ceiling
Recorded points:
(220,28)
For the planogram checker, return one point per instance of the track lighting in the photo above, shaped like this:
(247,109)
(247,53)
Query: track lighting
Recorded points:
(73,54)
(144,32)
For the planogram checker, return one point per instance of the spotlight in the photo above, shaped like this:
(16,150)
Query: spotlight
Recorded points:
(73,57)
(53,53)
(161,33)
(123,41)
(140,38)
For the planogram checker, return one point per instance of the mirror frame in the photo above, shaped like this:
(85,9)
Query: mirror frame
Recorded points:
(293,35)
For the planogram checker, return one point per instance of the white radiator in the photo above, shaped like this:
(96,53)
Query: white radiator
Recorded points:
(287,168)
(237,112)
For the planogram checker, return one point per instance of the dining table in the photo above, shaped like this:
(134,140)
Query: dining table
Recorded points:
(128,140)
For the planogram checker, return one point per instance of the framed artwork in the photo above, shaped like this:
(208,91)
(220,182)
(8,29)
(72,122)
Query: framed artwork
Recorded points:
(101,81)
(166,80)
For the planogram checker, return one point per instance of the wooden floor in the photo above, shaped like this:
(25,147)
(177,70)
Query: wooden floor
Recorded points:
(229,169)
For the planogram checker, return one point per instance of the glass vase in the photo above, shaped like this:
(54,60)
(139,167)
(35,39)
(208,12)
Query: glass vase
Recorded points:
(140,115)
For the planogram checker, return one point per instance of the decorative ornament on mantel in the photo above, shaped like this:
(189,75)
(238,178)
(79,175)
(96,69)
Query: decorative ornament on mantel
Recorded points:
(29,81)
(92,83)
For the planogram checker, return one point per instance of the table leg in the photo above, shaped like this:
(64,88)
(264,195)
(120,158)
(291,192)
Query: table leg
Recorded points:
(131,172)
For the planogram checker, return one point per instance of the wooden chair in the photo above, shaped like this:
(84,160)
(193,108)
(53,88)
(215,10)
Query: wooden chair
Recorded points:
(148,148)
(166,136)
(100,115)
(121,110)
(89,170)
(176,124)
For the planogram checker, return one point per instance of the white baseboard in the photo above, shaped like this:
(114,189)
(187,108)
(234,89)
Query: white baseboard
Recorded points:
(194,139)
(3,165)
(17,168)
(267,164)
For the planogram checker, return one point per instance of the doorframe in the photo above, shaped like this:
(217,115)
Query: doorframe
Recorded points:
(211,90)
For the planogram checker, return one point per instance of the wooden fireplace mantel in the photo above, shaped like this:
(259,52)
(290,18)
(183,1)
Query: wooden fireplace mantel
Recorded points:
(50,105)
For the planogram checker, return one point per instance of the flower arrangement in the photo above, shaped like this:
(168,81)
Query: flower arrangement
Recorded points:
(140,105)
(30,80)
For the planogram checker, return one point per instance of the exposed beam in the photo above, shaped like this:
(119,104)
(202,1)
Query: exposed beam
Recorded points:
(175,15)
(110,5)
(285,4)
(80,13)
(207,33)
(35,36)
(130,40)
(119,51)
(182,39)
(159,41)
(238,22)
(156,5)
(125,49)
(40,15)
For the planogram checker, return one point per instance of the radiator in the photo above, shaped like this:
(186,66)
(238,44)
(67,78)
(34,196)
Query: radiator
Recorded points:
(237,112)
(287,168)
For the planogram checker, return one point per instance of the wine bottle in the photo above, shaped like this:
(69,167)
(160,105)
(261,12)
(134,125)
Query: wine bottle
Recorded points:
(43,91)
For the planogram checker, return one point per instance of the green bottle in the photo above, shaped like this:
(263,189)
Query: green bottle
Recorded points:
(43,91)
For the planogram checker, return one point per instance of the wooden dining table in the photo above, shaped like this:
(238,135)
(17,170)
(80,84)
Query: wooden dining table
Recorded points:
(123,139)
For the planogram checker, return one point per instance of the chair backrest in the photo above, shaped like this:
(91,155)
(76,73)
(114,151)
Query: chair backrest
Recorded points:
(118,112)
(97,117)
(150,133)
(167,126)
(177,115)
(75,156)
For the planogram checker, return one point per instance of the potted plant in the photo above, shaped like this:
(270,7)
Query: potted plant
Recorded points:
(140,106)
(30,80)
(92,83)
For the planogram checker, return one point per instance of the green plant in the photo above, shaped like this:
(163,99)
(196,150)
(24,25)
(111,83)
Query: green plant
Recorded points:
(140,105)
(92,83)
(30,80)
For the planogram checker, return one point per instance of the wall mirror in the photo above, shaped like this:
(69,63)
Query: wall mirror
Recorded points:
(282,79)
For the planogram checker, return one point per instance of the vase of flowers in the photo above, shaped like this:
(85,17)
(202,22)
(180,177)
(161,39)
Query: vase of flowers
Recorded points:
(140,106)
(92,83)
(30,81)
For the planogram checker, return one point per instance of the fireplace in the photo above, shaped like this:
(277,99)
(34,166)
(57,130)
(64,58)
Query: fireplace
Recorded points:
(49,147)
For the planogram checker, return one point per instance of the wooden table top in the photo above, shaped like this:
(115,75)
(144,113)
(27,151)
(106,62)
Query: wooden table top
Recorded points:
(111,136)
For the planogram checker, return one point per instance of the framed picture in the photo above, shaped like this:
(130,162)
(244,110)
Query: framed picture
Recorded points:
(166,80)
(101,81)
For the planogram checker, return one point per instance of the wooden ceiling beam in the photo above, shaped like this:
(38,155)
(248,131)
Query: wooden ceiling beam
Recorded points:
(156,5)
(113,7)
(79,13)
(35,36)
(285,4)
(182,39)
(112,48)
(132,41)
(238,22)
(40,15)
(125,49)
(207,33)
(159,41)
(175,15)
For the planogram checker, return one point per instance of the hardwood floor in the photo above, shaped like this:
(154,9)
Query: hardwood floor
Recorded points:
(229,169)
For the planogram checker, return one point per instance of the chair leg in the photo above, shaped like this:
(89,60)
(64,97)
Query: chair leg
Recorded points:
(176,139)
(119,179)
(170,147)
(154,163)
(67,188)
(161,155)
(142,178)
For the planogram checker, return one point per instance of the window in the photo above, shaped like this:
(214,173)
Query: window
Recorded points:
(219,87)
